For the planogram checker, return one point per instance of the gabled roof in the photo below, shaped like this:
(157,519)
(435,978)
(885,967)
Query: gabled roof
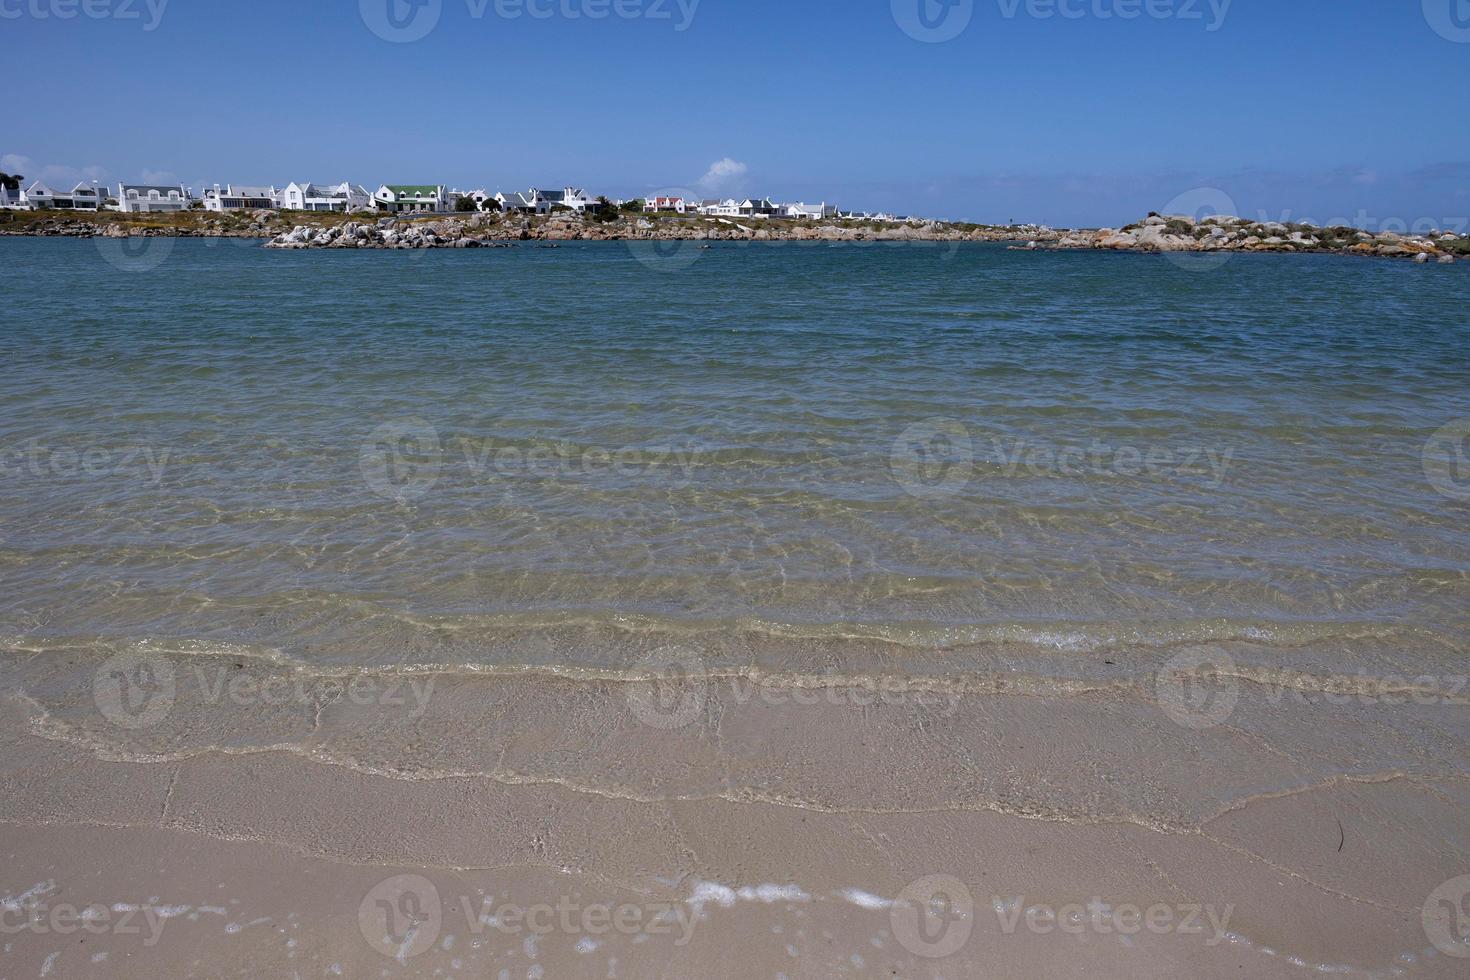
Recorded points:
(230,190)
(310,189)
(413,189)
(175,189)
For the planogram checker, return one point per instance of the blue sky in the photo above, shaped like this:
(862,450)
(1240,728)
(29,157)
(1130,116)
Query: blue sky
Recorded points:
(1062,111)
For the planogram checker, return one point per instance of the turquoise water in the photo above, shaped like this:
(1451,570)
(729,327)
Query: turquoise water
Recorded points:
(566,456)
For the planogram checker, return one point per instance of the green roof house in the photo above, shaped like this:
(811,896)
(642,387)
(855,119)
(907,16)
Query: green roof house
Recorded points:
(411,198)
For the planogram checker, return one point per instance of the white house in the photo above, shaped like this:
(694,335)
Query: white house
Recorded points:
(516,201)
(814,211)
(537,201)
(10,198)
(83,197)
(676,204)
(758,208)
(411,198)
(233,198)
(751,208)
(480,196)
(306,196)
(144,198)
(574,198)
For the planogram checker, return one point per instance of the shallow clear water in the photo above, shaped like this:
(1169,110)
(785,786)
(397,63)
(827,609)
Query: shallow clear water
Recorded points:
(564,457)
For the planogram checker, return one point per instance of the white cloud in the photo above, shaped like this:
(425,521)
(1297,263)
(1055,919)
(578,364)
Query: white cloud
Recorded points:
(723,175)
(159,177)
(51,173)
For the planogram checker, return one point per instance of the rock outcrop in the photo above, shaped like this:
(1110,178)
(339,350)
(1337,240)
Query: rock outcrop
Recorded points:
(470,231)
(1227,233)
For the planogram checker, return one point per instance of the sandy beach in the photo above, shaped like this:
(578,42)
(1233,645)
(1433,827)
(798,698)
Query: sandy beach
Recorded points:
(537,827)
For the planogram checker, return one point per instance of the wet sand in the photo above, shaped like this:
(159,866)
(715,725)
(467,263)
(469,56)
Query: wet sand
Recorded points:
(707,826)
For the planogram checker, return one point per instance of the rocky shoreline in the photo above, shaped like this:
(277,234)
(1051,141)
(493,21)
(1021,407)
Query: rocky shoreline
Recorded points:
(488,231)
(1156,233)
(1227,233)
(472,230)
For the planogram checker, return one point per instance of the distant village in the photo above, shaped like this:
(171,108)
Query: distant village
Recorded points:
(393,199)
